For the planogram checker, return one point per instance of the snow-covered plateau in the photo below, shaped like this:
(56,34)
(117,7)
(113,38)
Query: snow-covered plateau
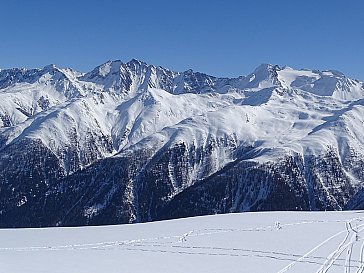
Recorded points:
(261,242)
(132,142)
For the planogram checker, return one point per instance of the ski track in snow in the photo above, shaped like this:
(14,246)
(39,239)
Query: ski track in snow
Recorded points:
(330,258)
(334,256)
(361,268)
(185,245)
(180,238)
(342,247)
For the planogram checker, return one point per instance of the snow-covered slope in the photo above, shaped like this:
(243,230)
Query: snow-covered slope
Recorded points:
(141,136)
(280,242)
(24,93)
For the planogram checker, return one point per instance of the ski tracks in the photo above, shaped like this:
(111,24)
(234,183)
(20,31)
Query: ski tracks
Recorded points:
(185,244)
(351,237)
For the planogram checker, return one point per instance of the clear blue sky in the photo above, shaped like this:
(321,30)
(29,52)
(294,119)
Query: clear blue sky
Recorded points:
(218,37)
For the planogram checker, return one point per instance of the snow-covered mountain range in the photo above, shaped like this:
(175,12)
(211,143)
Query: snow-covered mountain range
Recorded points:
(130,142)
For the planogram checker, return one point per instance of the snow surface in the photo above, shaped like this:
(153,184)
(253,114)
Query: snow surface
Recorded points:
(247,242)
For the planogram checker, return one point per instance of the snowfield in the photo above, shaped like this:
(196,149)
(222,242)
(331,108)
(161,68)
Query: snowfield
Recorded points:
(245,242)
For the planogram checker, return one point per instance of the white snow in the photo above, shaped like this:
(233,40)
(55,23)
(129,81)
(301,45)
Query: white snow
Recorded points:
(289,75)
(262,242)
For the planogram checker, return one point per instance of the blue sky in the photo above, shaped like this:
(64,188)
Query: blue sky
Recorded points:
(218,37)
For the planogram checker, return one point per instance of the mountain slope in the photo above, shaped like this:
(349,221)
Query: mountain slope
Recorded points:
(133,142)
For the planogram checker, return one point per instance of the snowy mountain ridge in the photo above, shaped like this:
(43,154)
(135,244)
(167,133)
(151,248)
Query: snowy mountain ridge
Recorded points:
(146,138)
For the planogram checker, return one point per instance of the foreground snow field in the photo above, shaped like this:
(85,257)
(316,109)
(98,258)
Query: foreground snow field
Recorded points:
(247,242)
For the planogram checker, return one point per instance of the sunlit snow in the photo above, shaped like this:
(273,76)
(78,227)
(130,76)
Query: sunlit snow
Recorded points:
(296,242)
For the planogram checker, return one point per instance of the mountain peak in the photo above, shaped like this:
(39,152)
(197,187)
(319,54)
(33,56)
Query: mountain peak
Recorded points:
(49,67)
(136,65)
(136,61)
(266,66)
(264,76)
